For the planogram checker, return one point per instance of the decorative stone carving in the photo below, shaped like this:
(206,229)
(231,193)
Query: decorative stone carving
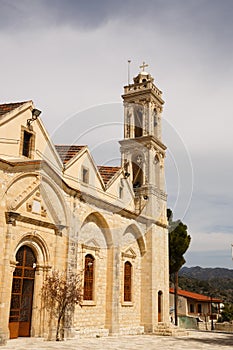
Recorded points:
(24,195)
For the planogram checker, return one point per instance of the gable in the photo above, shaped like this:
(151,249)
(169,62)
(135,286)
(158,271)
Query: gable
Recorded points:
(23,136)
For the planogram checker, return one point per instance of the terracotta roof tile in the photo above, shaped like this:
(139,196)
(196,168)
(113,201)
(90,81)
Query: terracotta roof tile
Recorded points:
(107,172)
(196,296)
(8,107)
(67,152)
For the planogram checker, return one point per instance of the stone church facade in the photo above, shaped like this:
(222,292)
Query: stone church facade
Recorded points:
(59,210)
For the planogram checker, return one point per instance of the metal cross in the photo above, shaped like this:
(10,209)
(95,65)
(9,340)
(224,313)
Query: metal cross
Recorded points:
(143,66)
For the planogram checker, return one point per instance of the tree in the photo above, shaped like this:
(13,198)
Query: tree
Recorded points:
(179,241)
(227,313)
(60,293)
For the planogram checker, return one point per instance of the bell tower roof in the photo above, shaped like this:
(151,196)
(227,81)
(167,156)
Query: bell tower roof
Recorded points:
(143,76)
(143,87)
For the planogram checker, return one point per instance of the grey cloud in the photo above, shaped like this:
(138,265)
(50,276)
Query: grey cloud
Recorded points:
(180,15)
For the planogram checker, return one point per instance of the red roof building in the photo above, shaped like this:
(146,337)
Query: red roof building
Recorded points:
(199,306)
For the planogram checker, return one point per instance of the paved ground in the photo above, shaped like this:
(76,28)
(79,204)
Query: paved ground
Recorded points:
(195,341)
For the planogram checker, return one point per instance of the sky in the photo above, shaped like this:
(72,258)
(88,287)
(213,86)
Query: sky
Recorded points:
(71,58)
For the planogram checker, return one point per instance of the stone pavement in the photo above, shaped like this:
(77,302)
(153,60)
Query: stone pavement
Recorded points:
(195,341)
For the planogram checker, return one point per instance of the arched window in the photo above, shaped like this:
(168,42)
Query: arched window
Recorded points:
(155,117)
(137,164)
(89,277)
(127,281)
(138,122)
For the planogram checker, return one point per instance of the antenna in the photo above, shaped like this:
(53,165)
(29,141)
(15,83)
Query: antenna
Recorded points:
(129,61)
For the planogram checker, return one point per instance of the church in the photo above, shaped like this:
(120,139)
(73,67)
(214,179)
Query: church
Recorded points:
(61,211)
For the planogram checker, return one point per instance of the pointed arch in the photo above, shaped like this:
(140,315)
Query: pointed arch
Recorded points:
(46,179)
(49,190)
(136,232)
(101,222)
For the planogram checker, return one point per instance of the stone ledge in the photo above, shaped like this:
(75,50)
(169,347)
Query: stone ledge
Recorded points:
(170,330)
(91,332)
(131,330)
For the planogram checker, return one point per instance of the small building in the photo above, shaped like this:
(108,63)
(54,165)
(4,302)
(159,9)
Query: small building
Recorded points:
(194,308)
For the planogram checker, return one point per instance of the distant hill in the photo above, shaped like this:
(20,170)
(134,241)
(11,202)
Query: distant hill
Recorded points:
(216,282)
(206,274)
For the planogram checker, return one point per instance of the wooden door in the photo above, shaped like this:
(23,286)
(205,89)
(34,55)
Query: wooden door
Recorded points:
(160,306)
(22,293)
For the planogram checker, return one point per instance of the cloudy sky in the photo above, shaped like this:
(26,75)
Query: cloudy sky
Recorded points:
(70,57)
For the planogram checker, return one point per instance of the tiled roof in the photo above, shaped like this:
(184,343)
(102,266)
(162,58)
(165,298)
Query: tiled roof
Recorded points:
(8,107)
(195,296)
(107,172)
(67,152)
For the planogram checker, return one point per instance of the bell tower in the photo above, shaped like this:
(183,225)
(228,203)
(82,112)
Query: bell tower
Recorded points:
(142,149)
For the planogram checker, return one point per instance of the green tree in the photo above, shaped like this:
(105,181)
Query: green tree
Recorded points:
(179,241)
(227,313)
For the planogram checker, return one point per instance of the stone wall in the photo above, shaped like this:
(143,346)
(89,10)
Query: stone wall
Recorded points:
(224,327)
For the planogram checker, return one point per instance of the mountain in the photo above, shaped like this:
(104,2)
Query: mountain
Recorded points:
(206,274)
(215,282)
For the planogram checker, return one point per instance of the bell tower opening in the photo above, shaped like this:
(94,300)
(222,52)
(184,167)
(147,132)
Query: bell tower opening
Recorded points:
(138,121)
(137,163)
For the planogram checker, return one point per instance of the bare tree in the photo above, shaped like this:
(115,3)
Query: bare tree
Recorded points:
(60,293)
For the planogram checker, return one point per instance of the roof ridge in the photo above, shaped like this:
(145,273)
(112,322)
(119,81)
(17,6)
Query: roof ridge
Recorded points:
(8,107)
(13,103)
(108,172)
(67,152)
(68,145)
(109,166)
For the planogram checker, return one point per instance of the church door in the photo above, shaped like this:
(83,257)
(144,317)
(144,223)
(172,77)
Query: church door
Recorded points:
(160,306)
(22,293)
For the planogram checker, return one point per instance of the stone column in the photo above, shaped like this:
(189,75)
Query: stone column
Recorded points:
(155,278)
(6,284)
(113,290)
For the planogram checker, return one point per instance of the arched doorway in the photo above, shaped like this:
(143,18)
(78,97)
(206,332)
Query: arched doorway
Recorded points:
(160,295)
(22,293)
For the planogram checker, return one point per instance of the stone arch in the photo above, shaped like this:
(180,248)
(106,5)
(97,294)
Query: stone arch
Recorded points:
(38,245)
(47,186)
(101,222)
(136,232)
(47,180)
(21,176)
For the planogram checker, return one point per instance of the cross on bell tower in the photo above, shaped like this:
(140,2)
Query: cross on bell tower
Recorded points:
(143,66)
